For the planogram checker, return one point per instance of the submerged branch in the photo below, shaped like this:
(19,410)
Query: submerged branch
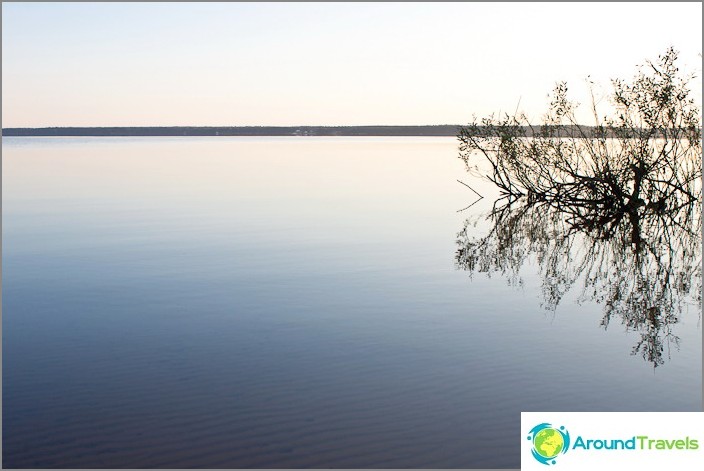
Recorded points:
(617,206)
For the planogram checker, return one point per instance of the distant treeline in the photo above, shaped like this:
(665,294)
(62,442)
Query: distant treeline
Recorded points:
(440,130)
(444,130)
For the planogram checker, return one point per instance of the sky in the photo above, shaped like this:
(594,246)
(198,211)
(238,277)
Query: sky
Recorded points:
(290,64)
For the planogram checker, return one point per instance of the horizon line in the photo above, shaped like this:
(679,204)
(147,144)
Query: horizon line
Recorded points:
(429,130)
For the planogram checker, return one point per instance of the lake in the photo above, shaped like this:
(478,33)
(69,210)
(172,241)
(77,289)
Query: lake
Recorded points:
(285,303)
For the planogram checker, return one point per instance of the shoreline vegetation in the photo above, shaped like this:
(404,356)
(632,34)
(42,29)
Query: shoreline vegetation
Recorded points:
(447,130)
(619,219)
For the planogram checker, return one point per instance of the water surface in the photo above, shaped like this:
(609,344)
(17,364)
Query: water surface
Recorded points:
(283,303)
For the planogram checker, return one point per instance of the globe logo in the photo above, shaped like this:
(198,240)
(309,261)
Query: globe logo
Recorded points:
(548,442)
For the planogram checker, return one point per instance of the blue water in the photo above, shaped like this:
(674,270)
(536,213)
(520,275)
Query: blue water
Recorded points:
(283,303)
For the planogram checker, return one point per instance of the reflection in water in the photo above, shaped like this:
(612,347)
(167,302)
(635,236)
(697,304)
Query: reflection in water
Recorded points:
(615,208)
(642,264)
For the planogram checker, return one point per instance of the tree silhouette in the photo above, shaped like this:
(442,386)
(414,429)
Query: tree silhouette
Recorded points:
(615,208)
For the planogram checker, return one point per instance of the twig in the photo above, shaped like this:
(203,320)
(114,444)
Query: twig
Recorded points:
(465,209)
(470,188)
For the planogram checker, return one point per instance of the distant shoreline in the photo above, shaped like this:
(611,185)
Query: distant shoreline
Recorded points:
(440,130)
(444,130)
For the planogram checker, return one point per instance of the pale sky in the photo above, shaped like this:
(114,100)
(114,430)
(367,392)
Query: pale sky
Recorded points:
(286,64)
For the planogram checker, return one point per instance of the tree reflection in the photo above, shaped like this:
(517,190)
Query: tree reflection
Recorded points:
(615,208)
(643,265)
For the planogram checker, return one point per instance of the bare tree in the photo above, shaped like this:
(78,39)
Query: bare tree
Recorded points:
(615,207)
(647,153)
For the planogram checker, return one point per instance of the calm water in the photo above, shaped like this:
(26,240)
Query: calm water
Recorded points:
(282,303)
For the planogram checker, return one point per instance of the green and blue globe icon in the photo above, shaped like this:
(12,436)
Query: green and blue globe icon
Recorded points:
(549,442)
